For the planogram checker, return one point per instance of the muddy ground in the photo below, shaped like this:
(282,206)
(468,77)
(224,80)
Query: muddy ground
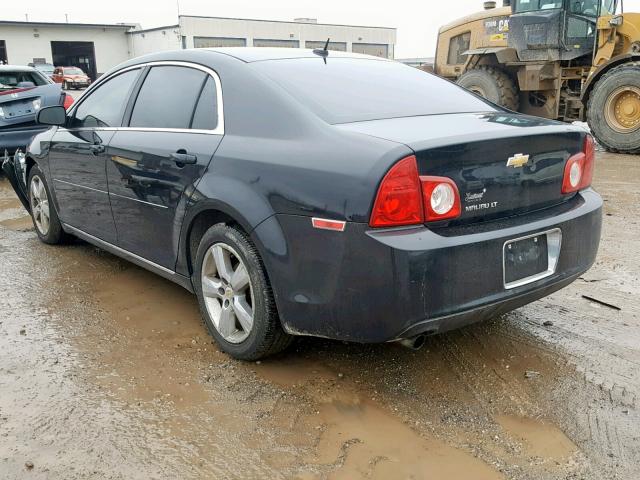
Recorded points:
(107,372)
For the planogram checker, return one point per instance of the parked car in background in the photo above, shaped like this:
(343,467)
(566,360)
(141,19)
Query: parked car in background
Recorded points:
(45,68)
(23,92)
(71,77)
(301,192)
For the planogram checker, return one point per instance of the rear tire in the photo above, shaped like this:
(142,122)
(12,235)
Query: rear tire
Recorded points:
(239,310)
(613,110)
(492,84)
(43,211)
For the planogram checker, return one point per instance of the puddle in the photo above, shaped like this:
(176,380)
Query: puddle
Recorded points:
(538,438)
(371,443)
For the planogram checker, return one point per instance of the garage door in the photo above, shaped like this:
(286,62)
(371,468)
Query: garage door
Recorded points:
(376,49)
(215,42)
(265,42)
(337,46)
(75,54)
(3,52)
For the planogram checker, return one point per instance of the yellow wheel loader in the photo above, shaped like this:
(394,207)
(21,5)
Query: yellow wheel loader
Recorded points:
(570,60)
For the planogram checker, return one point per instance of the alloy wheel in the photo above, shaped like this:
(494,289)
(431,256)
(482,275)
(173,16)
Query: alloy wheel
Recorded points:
(227,292)
(39,205)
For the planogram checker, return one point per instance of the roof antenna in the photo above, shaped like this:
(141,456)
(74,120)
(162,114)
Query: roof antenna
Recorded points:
(323,52)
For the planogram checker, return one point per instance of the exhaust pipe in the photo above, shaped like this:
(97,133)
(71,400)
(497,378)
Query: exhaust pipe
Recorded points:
(414,343)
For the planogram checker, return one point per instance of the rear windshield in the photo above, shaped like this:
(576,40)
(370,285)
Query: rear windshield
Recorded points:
(351,90)
(10,80)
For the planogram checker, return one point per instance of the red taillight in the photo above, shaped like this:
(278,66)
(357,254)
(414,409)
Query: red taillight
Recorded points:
(441,198)
(578,171)
(68,101)
(399,199)
(405,198)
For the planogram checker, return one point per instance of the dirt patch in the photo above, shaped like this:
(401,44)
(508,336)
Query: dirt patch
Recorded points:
(21,224)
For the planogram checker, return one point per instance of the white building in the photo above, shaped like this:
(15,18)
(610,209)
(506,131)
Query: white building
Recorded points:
(96,48)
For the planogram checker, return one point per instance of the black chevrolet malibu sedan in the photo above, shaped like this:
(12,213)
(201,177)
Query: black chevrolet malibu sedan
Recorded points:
(303,193)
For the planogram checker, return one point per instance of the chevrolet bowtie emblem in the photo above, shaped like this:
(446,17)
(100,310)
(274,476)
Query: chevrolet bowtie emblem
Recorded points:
(518,160)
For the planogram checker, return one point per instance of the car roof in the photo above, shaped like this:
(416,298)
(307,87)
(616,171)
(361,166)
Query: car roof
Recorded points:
(257,54)
(16,68)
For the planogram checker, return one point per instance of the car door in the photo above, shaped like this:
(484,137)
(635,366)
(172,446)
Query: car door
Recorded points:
(174,127)
(78,155)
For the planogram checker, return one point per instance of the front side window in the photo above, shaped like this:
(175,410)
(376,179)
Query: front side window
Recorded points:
(105,105)
(167,98)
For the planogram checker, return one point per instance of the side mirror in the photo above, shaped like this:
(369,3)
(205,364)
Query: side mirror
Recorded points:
(55,115)
(25,84)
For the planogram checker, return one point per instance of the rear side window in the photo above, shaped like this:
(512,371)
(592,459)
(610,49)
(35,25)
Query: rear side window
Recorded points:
(352,90)
(104,107)
(206,115)
(167,98)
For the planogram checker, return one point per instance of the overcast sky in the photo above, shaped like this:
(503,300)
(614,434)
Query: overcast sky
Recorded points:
(417,21)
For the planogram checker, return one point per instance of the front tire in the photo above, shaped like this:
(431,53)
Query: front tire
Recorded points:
(235,296)
(492,84)
(613,110)
(43,211)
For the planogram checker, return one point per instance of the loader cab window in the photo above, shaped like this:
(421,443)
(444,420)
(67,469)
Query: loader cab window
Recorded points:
(522,6)
(457,46)
(592,8)
(608,7)
(588,8)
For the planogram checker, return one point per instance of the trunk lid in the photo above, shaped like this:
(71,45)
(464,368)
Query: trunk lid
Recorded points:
(503,164)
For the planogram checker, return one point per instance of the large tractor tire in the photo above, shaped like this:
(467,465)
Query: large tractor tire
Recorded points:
(492,84)
(613,110)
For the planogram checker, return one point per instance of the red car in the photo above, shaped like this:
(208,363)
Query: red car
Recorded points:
(71,77)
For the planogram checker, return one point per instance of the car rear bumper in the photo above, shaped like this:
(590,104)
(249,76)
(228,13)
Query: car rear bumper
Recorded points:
(369,285)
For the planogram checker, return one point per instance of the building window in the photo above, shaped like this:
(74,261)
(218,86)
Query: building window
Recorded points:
(216,42)
(375,49)
(3,52)
(457,46)
(337,46)
(266,42)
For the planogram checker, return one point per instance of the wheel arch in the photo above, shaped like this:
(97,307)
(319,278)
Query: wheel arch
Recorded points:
(602,70)
(220,201)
